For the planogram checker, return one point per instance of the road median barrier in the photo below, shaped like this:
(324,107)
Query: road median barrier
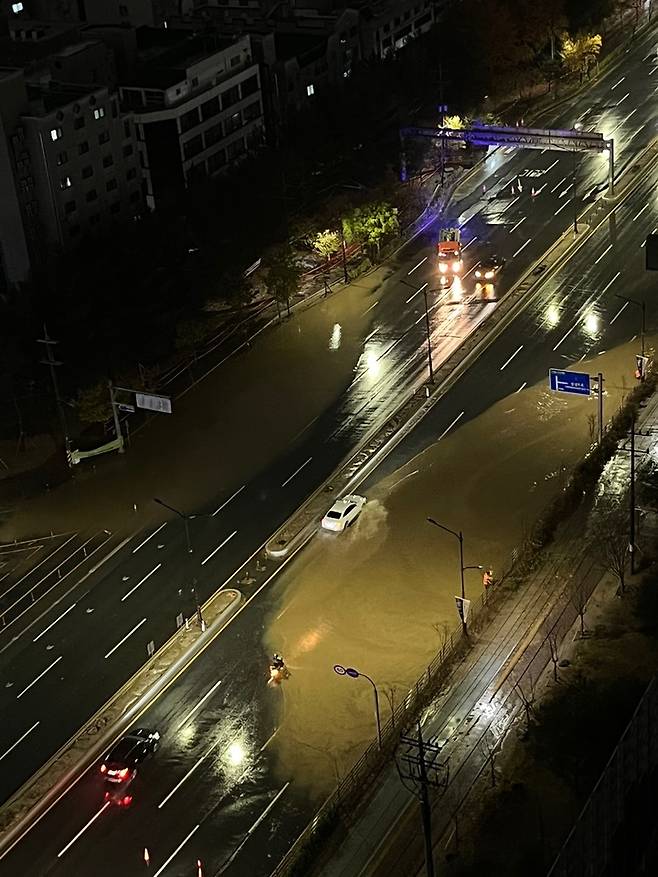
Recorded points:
(73,759)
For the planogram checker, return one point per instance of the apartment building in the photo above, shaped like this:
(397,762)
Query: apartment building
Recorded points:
(387,25)
(197,105)
(69,165)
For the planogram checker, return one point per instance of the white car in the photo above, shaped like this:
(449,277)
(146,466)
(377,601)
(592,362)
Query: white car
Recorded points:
(343,513)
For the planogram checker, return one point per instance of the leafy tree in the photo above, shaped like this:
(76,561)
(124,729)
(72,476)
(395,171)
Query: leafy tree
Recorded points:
(581,53)
(326,243)
(454,122)
(371,225)
(282,275)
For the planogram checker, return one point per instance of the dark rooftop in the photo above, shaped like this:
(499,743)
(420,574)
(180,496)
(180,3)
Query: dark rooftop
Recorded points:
(165,55)
(305,47)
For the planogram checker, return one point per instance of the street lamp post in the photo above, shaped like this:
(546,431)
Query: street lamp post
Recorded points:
(429,342)
(428,333)
(354,674)
(460,537)
(199,614)
(186,520)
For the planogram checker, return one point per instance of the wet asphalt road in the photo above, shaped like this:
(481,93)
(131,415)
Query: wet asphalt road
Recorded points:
(574,305)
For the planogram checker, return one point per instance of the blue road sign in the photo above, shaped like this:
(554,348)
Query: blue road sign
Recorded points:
(577,383)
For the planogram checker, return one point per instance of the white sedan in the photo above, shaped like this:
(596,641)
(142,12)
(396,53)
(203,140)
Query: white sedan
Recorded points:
(343,513)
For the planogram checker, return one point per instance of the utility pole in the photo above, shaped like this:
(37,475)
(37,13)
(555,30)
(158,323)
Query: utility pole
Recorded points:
(429,336)
(575,201)
(115,415)
(420,769)
(600,408)
(51,362)
(442,110)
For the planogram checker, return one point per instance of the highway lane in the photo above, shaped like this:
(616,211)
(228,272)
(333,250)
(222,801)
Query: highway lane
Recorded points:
(223,703)
(117,613)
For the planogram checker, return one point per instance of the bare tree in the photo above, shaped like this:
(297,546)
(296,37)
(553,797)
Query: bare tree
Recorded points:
(390,692)
(592,426)
(443,631)
(612,539)
(551,639)
(527,697)
(578,597)
(492,748)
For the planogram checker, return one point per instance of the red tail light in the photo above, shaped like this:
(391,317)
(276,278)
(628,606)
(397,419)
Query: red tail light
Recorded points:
(123,773)
(126,801)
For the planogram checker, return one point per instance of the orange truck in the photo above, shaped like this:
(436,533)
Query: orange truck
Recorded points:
(449,251)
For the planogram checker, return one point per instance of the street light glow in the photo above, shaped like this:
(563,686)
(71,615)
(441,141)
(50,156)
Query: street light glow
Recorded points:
(591,324)
(373,364)
(235,754)
(552,316)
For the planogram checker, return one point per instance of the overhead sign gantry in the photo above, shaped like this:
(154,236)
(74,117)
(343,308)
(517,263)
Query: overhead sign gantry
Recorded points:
(569,140)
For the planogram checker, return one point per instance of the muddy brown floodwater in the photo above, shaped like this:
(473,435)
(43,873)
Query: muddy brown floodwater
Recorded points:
(377,596)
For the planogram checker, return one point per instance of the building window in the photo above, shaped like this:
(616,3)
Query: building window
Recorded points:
(252,111)
(16,8)
(87,172)
(55,133)
(127,150)
(233,123)
(99,112)
(83,147)
(249,86)
(233,150)
(235,60)
(310,90)
(126,128)
(79,122)
(195,81)
(189,120)
(123,10)
(103,137)
(230,97)
(192,147)
(108,161)
(69,207)
(110,185)
(213,134)
(216,161)
(65,183)
(132,173)
(62,158)
(210,108)
(114,208)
